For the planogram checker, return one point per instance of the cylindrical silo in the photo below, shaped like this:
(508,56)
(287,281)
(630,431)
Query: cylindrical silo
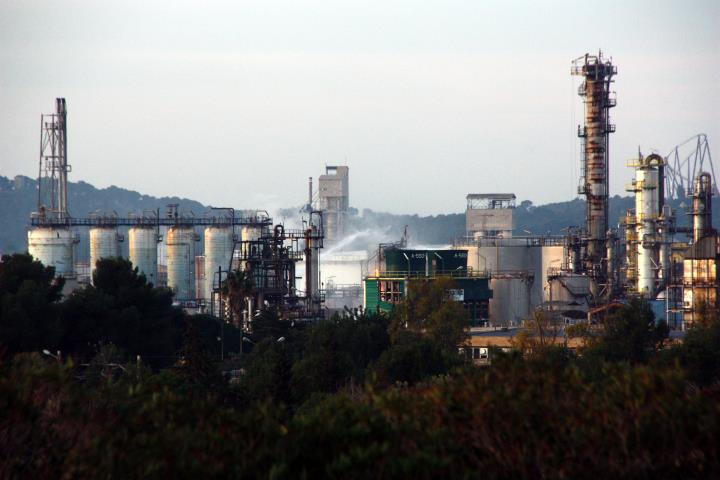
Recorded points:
(144,252)
(219,244)
(249,234)
(103,244)
(509,264)
(180,242)
(54,248)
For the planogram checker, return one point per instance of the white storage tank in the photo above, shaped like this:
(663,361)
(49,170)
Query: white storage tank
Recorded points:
(510,264)
(518,268)
(248,234)
(54,248)
(180,241)
(143,250)
(219,244)
(103,244)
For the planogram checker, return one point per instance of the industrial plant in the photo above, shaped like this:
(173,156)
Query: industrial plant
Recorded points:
(500,275)
(579,275)
(163,246)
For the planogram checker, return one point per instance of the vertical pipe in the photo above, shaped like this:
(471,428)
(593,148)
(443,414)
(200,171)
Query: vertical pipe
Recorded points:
(308,266)
(315,264)
(611,259)
(63,167)
(40,162)
(630,247)
(665,242)
(309,193)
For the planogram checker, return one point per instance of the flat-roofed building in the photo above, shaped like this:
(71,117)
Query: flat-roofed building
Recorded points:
(490,215)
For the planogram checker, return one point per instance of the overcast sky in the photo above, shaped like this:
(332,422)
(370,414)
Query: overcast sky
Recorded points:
(237,103)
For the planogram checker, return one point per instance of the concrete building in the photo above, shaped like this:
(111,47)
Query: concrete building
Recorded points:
(333,200)
(490,215)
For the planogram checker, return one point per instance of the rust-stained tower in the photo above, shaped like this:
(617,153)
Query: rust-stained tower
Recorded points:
(597,76)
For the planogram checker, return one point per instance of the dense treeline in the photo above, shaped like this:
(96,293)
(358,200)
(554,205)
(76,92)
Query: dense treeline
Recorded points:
(363,397)
(120,309)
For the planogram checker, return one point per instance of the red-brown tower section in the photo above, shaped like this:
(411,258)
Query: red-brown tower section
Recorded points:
(597,74)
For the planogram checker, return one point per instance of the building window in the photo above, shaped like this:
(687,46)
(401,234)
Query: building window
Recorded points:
(390,291)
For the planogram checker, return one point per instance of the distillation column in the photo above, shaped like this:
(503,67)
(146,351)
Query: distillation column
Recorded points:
(647,209)
(597,76)
(702,206)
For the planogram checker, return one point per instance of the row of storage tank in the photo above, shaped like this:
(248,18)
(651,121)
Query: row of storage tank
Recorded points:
(54,247)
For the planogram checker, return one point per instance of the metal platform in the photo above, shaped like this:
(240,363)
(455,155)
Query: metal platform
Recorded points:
(150,222)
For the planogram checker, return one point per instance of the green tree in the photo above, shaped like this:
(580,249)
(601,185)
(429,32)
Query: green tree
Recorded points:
(429,309)
(337,353)
(699,353)
(21,267)
(629,334)
(325,365)
(201,376)
(413,357)
(268,373)
(124,310)
(29,312)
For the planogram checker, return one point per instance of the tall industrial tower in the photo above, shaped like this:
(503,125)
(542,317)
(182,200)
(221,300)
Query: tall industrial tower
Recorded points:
(53,166)
(333,196)
(597,76)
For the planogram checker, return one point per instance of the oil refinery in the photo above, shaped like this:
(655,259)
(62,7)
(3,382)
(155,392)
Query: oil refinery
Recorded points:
(501,276)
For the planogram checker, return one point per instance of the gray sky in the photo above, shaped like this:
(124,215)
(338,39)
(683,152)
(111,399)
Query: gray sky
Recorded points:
(237,103)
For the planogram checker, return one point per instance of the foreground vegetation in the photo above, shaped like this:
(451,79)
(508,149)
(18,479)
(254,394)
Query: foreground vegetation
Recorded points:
(366,397)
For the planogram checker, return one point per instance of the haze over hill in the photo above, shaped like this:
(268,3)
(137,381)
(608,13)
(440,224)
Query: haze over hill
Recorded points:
(18,198)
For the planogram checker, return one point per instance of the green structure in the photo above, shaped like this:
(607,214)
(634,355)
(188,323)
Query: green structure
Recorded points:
(399,268)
